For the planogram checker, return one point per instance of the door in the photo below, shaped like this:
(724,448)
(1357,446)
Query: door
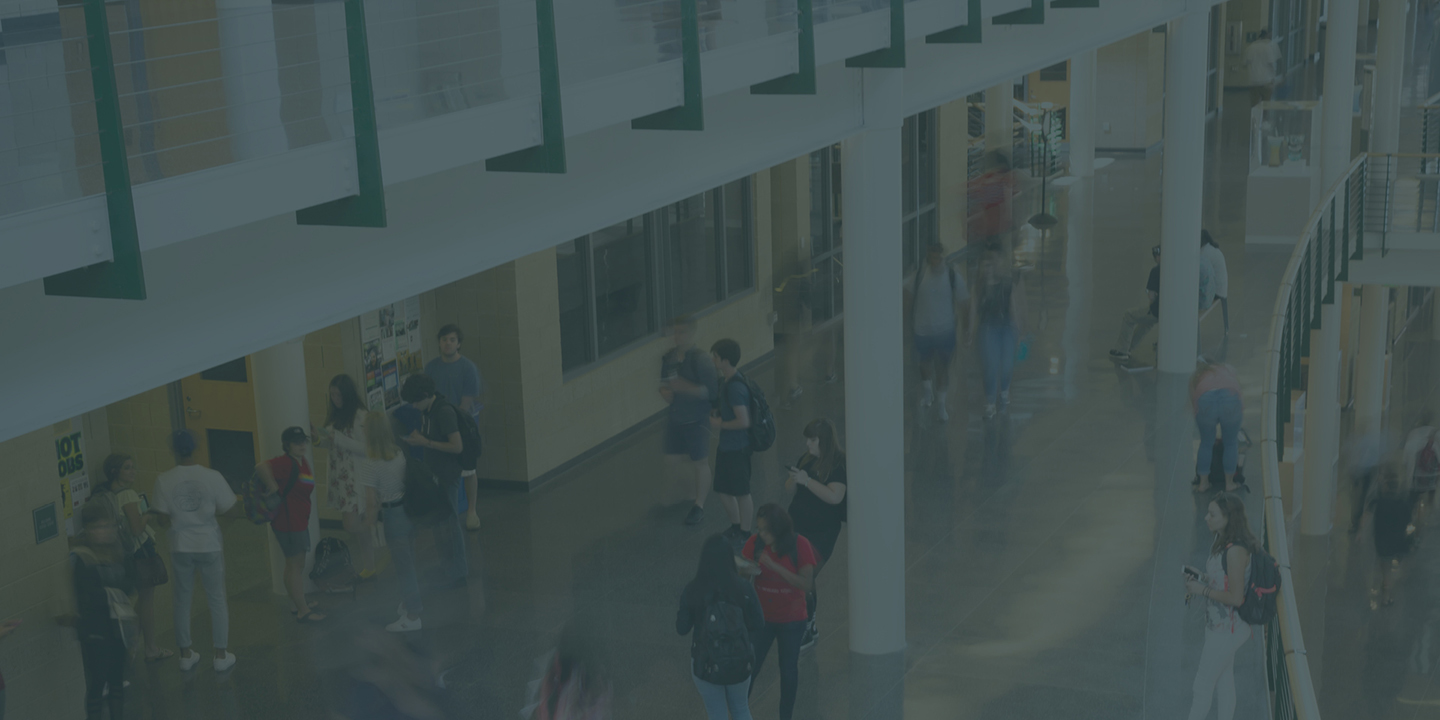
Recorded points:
(219,407)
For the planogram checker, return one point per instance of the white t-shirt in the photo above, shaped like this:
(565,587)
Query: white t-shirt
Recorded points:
(935,301)
(191,495)
(1260,57)
(1219,275)
(386,476)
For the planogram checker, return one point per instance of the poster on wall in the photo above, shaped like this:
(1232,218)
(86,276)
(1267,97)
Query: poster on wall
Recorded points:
(70,469)
(390,340)
(374,393)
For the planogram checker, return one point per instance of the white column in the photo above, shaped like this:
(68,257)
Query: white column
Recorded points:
(1182,192)
(1000,119)
(1081,114)
(1370,359)
(874,370)
(1337,102)
(252,79)
(281,402)
(1389,77)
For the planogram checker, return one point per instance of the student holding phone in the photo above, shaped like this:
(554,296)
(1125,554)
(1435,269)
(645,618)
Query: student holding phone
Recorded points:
(786,564)
(1222,585)
(818,506)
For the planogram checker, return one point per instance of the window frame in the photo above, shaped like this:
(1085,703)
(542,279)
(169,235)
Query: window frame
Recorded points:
(913,247)
(832,228)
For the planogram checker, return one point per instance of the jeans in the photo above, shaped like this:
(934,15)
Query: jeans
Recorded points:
(787,636)
(725,701)
(1218,407)
(450,539)
(1133,326)
(1216,676)
(997,352)
(104,664)
(212,575)
(400,537)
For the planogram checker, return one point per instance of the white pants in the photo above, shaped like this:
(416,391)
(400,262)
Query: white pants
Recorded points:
(1216,676)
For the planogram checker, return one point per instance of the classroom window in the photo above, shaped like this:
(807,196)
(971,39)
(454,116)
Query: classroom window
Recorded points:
(919,186)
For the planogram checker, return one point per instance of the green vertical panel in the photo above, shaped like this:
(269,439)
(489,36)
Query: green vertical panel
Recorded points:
(549,155)
(1034,15)
(366,209)
(123,277)
(803,82)
(1297,327)
(1317,286)
(967,33)
(1074,3)
(893,56)
(1359,253)
(1282,382)
(1344,273)
(1328,255)
(691,114)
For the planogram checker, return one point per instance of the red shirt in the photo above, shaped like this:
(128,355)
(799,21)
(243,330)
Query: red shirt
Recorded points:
(781,601)
(296,515)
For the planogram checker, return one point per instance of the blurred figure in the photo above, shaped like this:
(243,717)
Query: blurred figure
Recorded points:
(117,495)
(439,437)
(732,454)
(382,475)
(793,330)
(723,612)
(458,380)
(1222,585)
(102,578)
(1421,456)
(574,684)
(1214,260)
(344,434)
(818,506)
(939,291)
(382,678)
(1367,458)
(990,197)
(1138,321)
(1393,516)
(997,315)
(1215,397)
(784,564)
(688,385)
(1261,58)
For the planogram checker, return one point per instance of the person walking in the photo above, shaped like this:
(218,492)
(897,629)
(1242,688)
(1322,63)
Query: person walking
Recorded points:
(1393,522)
(116,494)
(102,579)
(1214,260)
(997,315)
(1215,397)
(733,468)
(990,201)
(439,437)
(187,499)
(938,291)
(1138,321)
(709,607)
(1421,454)
(818,507)
(689,386)
(1261,61)
(344,435)
(289,476)
(382,474)
(783,563)
(457,378)
(1222,585)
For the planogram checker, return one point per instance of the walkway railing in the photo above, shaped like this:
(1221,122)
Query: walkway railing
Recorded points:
(1430,125)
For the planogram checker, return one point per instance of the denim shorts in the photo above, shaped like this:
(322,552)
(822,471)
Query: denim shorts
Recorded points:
(942,345)
(292,543)
(690,439)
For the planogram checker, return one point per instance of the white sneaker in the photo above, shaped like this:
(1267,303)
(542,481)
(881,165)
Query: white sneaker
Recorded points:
(944,414)
(928,398)
(226,663)
(1004,397)
(189,663)
(404,624)
(989,410)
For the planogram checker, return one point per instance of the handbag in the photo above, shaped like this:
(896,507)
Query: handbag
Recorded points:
(149,566)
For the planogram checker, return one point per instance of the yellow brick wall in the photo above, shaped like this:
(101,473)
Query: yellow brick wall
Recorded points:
(953,149)
(140,427)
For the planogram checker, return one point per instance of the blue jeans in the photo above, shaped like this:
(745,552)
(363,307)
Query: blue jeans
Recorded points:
(211,566)
(400,537)
(1223,408)
(450,539)
(725,701)
(787,636)
(997,352)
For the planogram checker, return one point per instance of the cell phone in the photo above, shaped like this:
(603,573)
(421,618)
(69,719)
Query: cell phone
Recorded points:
(790,468)
(1190,572)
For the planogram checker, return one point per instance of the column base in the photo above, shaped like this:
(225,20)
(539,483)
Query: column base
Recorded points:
(877,686)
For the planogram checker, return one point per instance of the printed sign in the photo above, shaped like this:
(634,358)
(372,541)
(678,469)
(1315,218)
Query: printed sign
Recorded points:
(69,454)
(390,351)
(45,525)
(74,492)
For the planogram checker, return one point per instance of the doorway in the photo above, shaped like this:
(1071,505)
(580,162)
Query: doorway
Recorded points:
(219,409)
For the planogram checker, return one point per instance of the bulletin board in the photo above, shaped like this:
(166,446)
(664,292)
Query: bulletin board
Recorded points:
(390,351)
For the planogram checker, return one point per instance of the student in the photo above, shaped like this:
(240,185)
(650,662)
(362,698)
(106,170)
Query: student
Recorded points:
(289,475)
(1215,397)
(990,200)
(785,570)
(938,291)
(439,436)
(344,434)
(688,385)
(1222,586)
(732,454)
(1138,321)
(716,581)
(1261,58)
(818,506)
(103,576)
(1420,453)
(117,495)
(382,474)
(1212,258)
(187,499)
(997,315)
(458,380)
(1393,521)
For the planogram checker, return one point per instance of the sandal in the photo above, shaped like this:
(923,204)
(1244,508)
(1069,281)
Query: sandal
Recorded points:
(309,618)
(312,604)
(162,655)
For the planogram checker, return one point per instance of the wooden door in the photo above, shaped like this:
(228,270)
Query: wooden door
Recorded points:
(219,406)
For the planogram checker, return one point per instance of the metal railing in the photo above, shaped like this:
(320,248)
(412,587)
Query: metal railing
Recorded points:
(1430,125)
(1404,194)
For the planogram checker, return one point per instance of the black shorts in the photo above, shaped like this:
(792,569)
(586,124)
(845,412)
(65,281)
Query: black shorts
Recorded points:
(823,541)
(732,472)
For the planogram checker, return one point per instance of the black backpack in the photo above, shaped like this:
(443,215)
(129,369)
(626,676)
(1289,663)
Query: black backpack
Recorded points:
(469,436)
(721,646)
(762,419)
(332,569)
(1259,605)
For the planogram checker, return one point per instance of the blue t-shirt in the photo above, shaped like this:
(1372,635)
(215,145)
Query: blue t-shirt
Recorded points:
(694,366)
(736,394)
(456,380)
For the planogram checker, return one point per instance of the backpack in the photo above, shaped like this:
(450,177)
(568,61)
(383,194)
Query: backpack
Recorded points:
(1427,462)
(762,419)
(469,437)
(1259,605)
(261,505)
(332,570)
(721,648)
(958,288)
(424,497)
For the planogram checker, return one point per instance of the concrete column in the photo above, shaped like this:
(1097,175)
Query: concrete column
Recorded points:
(1337,100)
(1081,114)
(1000,119)
(1322,424)
(281,402)
(252,78)
(1183,192)
(1389,77)
(874,400)
(1370,359)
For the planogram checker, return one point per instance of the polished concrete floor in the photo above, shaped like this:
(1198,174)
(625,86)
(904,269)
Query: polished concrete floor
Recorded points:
(1042,547)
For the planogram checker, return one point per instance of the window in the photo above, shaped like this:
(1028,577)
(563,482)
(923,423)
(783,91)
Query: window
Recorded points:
(826,249)
(1055,73)
(618,283)
(918,184)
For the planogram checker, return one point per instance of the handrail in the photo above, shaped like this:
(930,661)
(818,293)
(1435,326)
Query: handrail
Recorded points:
(1294,690)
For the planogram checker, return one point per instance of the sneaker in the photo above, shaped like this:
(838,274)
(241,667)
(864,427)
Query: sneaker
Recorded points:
(695,515)
(187,664)
(472,521)
(989,410)
(807,641)
(365,575)
(1004,397)
(404,624)
(796,392)
(1120,355)
(927,399)
(225,663)
(832,378)
(944,414)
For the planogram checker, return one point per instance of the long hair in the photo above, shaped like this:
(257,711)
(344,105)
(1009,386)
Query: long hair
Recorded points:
(110,469)
(778,521)
(379,437)
(576,684)
(93,513)
(343,417)
(716,571)
(1237,526)
(831,454)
